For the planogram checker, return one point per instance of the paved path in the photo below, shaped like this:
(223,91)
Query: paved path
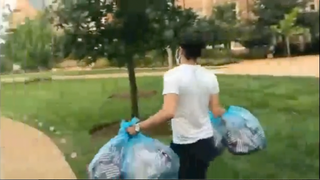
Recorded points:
(26,153)
(44,160)
(295,66)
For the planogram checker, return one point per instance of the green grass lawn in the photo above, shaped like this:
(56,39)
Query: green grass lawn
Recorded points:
(287,108)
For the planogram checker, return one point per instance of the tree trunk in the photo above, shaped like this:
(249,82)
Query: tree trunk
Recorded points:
(170,57)
(133,88)
(288,46)
(228,49)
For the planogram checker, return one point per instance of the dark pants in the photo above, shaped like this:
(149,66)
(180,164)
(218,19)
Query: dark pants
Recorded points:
(195,158)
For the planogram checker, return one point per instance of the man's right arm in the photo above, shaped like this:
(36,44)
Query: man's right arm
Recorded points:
(214,103)
(215,106)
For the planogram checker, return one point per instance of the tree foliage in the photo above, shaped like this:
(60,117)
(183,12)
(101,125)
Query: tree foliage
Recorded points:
(224,24)
(120,30)
(252,35)
(310,20)
(287,27)
(270,12)
(6,65)
(30,44)
(257,31)
(100,29)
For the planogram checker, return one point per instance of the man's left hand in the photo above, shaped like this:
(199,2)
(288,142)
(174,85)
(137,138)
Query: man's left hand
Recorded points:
(131,130)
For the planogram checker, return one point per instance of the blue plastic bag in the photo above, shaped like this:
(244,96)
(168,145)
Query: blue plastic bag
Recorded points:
(244,133)
(107,163)
(133,157)
(239,131)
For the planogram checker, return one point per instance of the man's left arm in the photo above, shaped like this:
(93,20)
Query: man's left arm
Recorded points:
(170,102)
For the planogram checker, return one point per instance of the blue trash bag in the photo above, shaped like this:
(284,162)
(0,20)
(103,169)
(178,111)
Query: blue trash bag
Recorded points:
(107,163)
(244,133)
(219,130)
(132,157)
(147,158)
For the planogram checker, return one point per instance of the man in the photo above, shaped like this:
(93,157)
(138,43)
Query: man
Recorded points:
(189,92)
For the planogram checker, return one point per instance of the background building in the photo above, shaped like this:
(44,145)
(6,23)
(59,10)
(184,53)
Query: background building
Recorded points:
(204,7)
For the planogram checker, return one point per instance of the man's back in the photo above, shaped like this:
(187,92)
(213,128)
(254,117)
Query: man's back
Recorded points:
(191,121)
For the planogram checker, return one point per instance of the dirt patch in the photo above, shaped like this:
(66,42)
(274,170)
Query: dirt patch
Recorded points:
(111,129)
(141,94)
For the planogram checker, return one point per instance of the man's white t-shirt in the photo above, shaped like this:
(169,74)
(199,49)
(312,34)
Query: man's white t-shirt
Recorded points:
(194,85)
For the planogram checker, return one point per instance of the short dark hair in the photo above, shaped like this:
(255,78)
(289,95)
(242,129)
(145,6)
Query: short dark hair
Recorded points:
(192,42)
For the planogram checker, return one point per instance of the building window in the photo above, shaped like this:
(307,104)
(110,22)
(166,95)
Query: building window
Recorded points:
(311,7)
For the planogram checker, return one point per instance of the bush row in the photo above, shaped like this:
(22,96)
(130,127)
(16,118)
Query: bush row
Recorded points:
(216,57)
(210,57)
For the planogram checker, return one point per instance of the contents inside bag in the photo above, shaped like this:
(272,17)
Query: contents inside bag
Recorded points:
(219,130)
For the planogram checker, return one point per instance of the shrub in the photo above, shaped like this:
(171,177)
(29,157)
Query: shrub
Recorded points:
(101,63)
(223,55)
(30,44)
(144,62)
(217,62)
(281,50)
(216,57)
(214,54)
(82,63)
(253,53)
(312,47)
(67,63)
(6,65)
